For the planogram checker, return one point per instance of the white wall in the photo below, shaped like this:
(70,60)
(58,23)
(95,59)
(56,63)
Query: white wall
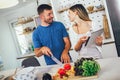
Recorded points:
(7,48)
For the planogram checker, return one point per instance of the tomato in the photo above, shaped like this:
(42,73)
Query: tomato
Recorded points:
(67,66)
(62,71)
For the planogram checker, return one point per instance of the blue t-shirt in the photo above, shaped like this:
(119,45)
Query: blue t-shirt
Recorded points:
(52,37)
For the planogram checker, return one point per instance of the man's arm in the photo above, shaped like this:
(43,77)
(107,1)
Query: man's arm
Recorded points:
(38,52)
(67,43)
(65,57)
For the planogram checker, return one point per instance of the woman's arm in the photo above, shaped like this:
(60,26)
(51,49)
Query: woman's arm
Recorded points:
(78,45)
(80,42)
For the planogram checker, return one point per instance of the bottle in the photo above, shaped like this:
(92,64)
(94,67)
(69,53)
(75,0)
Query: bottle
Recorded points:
(32,47)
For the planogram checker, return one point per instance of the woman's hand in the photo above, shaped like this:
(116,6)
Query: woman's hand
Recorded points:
(99,40)
(83,39)
(80,42)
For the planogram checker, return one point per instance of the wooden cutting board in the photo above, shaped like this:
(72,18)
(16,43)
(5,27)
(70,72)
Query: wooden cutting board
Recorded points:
(78,78)
(82,78)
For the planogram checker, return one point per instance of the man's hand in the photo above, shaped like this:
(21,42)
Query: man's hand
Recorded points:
(42,51)
(65,58)
(46,51)
(99,40)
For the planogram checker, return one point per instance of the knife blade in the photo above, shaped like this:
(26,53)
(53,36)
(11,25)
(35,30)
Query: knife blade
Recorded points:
(56,60)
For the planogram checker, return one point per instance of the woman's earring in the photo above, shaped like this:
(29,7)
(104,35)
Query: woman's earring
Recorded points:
(74,23)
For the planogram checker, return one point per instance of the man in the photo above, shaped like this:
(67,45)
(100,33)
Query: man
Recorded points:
(51,37)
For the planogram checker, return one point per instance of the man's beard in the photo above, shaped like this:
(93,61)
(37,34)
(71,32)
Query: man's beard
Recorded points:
(49,21)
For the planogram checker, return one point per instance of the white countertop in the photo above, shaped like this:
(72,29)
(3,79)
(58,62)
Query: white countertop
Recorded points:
(7,73)
(110,69)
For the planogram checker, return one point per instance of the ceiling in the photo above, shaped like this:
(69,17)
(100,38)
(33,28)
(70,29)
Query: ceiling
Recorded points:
(20,4)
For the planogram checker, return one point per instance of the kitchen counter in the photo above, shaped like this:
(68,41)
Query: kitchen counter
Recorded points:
(110,68)
(26,56)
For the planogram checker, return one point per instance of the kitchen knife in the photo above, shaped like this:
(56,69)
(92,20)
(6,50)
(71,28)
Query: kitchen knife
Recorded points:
(56,60)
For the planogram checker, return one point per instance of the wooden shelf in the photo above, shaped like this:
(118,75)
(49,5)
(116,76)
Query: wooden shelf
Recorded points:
(100,9)
(24,22)
(62,10)
(24,33)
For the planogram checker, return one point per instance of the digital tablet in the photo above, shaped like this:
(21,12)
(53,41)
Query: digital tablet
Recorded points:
(91,39)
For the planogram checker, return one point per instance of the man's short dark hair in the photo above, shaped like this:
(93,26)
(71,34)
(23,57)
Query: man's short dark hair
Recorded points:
(43,7)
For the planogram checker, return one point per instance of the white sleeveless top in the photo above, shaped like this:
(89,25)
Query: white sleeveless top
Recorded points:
(94,52)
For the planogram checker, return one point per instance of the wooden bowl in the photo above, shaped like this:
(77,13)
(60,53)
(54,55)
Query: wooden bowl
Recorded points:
(90,8)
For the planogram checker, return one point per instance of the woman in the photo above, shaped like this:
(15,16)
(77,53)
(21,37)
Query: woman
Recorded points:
(80,31)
